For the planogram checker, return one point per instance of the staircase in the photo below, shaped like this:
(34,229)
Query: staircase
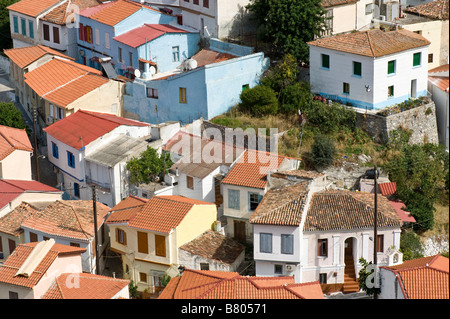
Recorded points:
(350,282)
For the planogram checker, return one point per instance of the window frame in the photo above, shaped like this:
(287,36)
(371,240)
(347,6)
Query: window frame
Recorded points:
(23,26)
(355,63)
(285,249)
(142,242)
(322,247)
(380,243)
(31,28)
(183,95)
(46,31)
(394,67)
(346,88)
(237,200)
(250,201)
(56,35)
(189,182)
(265,239)
(176,53)
(322,64)
(391,92)
(16,24)
(160,246)
(76,190)
(152,93)
(55,150)
(70,159)
(419,62)
(121,236)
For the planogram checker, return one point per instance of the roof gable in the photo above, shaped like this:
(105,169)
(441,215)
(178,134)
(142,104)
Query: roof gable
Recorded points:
(60,14)
(12,139)
(27,55)
(32,8)
(147,32)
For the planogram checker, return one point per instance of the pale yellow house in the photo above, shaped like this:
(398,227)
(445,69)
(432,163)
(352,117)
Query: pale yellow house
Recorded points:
(148,232)
(60,87)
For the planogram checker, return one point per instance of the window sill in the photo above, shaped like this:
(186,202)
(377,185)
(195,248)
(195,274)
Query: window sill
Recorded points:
(324,68)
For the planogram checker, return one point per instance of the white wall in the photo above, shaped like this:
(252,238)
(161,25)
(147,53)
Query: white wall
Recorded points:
(17,159)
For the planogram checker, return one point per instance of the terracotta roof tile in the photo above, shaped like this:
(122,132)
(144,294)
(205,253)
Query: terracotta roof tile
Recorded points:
(208,56)
(373,43)
(338,209)
(402,214)
(388,188)
(27,55)
(252,167)
(440,82)
(59,14)
(198,284)
(10,267)
(424,278)
(68,218)
(436,9)
(90,287)
(82,127)
(11,222)
(215,246)
(12,139)
(147,32)
(32,8)
(281,206)
(438,69)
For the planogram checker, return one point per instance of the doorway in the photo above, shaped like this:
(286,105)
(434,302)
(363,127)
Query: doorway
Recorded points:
(239,230)
(414,88)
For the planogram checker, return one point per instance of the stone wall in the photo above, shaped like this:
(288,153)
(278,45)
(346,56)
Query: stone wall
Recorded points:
(420,120)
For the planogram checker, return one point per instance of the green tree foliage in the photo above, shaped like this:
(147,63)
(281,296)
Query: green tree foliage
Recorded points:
(367,278)
(11,116)
(5,33)
(330,118)
(322,152)
(421,175)
(410,246)
(145,168)
(258,101)
(289,24)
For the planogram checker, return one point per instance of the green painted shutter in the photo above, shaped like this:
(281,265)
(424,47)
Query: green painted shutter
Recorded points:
(416,59)
(357,68)
(325,61)
(16,24)
(391,67)
(30,27)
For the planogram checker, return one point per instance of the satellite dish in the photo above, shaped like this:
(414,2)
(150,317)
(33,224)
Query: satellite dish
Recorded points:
(192,64)
(137,73)
(152,70)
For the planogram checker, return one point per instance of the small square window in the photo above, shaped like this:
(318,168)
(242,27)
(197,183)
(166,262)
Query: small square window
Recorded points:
(55,151)
(176,54)
(323,278)
(357,68)
(253,201)
(278,269)
(204,266)
(430,58)
(142,277)
(322,247)
(346,88)
(70,159)
(391,91)
(189,182)
(391,67)
(417,59)
(325,61)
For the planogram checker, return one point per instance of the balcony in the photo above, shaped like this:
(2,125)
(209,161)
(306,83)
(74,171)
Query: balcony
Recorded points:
(101,186)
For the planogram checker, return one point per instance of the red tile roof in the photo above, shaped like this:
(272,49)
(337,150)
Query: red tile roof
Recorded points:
(27,55)
(12,139)
(9,268)
(89,286)
(11,222)
(199,284)
(388,188)
(440,82)
(208,56)
(436,9)
(68,218)
(32,8)
(82,127)
(441,68)
(60,14)
(10,189)
(373,43)
(403,214)
(423,278)
(252,167)
(113,12)
(147,32)
(159,213)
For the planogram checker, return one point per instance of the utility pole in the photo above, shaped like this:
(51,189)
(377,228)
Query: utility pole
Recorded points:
(94,203)
(36,159)
(375,234)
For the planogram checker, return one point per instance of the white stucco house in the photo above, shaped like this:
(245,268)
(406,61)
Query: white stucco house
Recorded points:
(371,69)
(15,151)
(321,235)
(438,85)
(88,148)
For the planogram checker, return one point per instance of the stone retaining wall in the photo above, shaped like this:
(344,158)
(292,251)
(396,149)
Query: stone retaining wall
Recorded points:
(420,120)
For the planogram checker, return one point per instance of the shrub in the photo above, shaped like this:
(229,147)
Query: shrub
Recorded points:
(410,246)
(258,101)
(322,152)
(294,97)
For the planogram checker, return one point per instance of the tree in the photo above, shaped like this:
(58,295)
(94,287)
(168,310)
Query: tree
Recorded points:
(5,33)
(145,168)
(258,101)
(410,246)
(322,152)
(290,24)
(368,277)
(11,116)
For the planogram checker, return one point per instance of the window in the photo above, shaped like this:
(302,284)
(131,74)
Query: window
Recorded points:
(46,31)
(107,40)
(417,58)
(346,88)
(16,24)
(189,182)
(176,54)
(81,32)
(33,237)
(130,55)
(195,1)
(265,243)
(56,34)
(430,58)
(245,87)
(322,247)
(31,29)
(357,68)
(253,200)
(142,242)
(380,243)
(278,269)
(120,54)
(390,91)
(325,61)
(74,244)
(13,295)
(70,159)
(323,278)
(121,236)
(287,244)
(142,277)
(88,34)
(97,36)
(152,93)
(23,24)
(204,266)
(55,151)
(160,246)
(369,8)
(234,199)
(391,67)
(76,190)
(183,95)
(206,3)
(11,245)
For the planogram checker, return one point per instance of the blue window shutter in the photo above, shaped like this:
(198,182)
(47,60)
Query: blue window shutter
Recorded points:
(23,22)
(16,24)
(31,29)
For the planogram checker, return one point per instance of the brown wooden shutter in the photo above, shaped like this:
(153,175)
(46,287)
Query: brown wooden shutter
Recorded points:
(160,245)
(380,243)
(142,242)
(33,237)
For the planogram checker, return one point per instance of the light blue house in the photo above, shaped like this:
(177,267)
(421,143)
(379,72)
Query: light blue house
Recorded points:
(116,31)
(206,85)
